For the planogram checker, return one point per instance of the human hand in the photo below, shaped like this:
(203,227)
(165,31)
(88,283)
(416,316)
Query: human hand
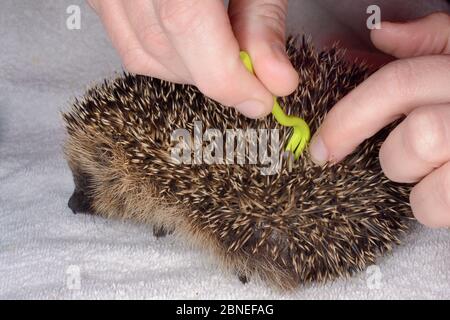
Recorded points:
(418,86)
(198,42)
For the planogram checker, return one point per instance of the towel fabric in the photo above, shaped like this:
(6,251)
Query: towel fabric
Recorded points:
(48,252)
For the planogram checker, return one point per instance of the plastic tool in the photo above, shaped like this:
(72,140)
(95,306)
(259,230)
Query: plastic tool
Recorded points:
(301,134)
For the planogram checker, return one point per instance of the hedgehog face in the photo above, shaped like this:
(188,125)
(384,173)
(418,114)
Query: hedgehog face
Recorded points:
(304,223)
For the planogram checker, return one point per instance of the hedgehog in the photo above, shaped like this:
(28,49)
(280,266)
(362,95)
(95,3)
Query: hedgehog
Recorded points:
(302,224)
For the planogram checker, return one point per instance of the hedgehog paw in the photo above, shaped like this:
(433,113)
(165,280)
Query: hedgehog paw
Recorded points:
(160,231)
(79,203)
(243,278)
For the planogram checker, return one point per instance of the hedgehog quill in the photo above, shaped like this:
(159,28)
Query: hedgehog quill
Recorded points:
(303,224)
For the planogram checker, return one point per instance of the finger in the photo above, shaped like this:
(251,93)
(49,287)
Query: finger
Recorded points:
(133,55)
(419,145)
(430,199)
(201,33)
(392,91)
(428,35)
(259,26)
(152,38)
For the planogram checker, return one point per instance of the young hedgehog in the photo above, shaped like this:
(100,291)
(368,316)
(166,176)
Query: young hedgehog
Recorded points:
(302,224)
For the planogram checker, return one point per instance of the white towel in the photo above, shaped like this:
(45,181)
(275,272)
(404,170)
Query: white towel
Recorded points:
(47,252)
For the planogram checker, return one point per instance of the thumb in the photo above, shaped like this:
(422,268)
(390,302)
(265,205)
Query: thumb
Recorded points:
(424,36)
(259,27)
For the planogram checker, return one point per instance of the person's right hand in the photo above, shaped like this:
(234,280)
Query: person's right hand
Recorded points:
(416,87)
(198,42)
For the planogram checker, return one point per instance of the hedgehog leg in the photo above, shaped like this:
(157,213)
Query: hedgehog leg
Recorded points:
(160,231)
(243,278)
(80,202)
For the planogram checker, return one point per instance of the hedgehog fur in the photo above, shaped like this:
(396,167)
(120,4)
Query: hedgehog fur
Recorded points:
(304,224)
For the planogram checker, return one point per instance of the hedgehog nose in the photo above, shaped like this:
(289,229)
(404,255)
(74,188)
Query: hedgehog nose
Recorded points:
(79,202)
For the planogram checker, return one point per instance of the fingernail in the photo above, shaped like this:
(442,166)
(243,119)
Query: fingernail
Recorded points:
(280,53)
(318,150)
(251,108)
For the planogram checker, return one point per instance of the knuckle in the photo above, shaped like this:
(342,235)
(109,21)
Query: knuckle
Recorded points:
(440,17)
(444,187)
(398,78)
(155,42)
(178,16)
(210,87)
(425,133)
(219,82)
(218,86)
(417,208)
(438,190)
(270,14)
(443,61)
(385,164)
(132,60)
(273,15)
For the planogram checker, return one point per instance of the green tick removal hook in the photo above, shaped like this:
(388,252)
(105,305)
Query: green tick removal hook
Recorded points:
(301,134)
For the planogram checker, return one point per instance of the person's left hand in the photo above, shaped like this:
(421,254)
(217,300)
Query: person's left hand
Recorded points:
(418,86)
